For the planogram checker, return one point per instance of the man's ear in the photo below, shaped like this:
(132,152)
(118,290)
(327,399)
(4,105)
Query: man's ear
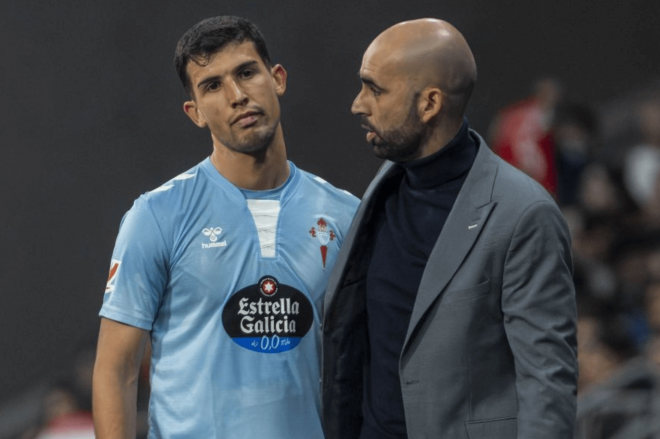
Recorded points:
(430,104)
(279,77)
(191,109)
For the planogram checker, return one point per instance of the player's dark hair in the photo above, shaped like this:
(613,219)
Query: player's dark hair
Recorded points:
(209,36)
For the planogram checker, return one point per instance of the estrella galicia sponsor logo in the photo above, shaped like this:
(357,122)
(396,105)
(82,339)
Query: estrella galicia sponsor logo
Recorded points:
(268,317)
(212,233)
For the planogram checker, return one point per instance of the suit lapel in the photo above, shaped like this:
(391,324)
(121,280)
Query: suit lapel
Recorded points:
(354,239)
(464,224)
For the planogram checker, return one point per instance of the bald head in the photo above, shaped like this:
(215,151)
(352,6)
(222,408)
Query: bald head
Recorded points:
(430,53)
(417,78)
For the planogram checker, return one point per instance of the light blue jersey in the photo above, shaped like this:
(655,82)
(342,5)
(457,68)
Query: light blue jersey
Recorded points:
(230,283)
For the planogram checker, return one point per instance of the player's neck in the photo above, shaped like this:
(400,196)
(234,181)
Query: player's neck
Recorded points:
(267,169)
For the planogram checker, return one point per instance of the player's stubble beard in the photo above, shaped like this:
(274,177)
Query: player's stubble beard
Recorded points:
(256,140)
(400,143)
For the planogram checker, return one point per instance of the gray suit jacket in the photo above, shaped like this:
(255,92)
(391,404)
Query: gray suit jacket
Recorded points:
(490,350)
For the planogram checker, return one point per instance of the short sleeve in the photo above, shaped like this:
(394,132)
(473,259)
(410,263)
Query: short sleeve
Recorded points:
(138,270)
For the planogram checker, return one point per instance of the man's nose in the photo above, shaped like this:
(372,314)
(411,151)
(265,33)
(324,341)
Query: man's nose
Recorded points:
(358,106)
(235,94)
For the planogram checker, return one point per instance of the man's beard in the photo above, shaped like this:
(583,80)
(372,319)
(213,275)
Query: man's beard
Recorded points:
(258,140)
(399,144)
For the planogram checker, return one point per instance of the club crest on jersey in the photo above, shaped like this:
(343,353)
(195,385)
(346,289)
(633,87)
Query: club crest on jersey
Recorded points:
(112,276)
(268,317)
(324,236)
(212,233)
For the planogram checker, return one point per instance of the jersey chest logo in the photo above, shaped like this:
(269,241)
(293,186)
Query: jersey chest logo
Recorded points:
(268,317)
(324,235)
(212,233)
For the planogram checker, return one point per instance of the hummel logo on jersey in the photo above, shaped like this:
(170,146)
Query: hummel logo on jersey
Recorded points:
(112,276)
(212,233)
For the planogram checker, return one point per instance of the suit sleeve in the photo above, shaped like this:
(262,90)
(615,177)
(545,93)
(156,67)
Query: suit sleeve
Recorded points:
(538,302)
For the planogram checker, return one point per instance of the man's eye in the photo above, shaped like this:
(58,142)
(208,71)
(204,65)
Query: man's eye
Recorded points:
(247,74)
(375,91)
(213,86)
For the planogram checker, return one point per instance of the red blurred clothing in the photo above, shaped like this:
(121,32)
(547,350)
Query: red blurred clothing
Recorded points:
(75,425)
(522,138)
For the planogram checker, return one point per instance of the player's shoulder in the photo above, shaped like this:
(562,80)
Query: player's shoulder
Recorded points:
(314,183)
(162,203)
(179,187)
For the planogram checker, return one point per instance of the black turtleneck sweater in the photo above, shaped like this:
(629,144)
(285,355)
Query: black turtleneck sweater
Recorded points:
(411,213)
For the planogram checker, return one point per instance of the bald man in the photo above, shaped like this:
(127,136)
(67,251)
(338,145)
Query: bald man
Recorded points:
(451,310)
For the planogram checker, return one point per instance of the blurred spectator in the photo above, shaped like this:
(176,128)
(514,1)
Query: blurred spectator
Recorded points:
(574,130)
(652,305)
(636,256)
(603,344)
(62,416)
(653,259)
(83,368)
(521,133)
(653,351)
(642,162)
(627,405)
(597,237)
(66,404)
(601,192)
(648,217)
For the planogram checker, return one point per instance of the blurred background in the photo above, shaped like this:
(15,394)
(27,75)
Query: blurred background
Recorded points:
(91,118)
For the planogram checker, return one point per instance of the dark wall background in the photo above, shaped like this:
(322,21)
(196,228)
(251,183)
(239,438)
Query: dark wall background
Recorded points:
(91,117)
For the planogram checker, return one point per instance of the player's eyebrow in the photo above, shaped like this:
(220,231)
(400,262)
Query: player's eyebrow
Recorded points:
(236,69)
(245,65)
(368,81)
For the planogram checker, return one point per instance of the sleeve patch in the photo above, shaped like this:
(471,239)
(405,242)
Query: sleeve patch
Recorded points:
(112,276)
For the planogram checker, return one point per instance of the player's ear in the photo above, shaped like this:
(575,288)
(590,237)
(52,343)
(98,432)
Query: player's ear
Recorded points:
(279,77)
(430,104)
(191,109)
